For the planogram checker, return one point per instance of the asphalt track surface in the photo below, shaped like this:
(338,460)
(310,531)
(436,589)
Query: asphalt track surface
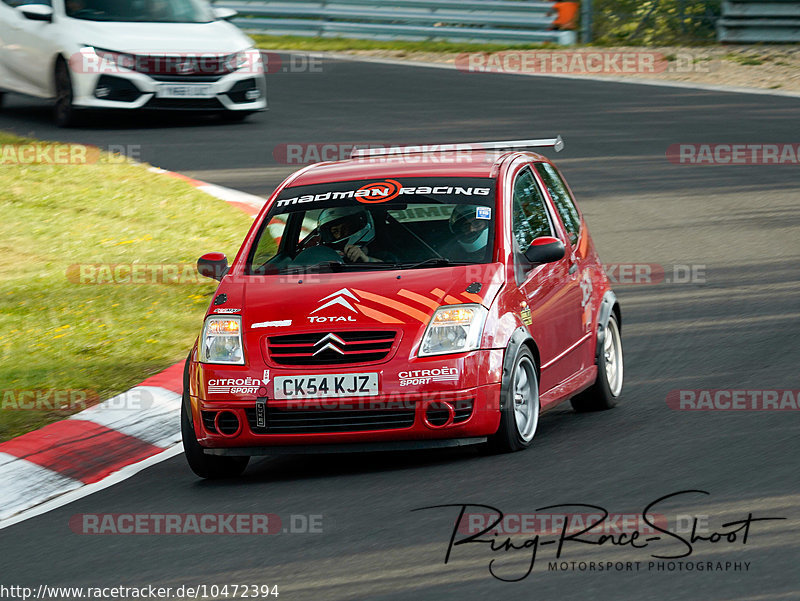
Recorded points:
(737,329)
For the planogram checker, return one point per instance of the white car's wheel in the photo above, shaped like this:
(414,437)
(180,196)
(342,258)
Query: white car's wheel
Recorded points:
(64,109)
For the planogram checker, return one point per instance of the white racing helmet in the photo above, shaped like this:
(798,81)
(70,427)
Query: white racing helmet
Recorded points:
(340,226)
(471,233)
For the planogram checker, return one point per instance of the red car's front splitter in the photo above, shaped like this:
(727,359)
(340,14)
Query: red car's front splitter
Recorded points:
(416,417)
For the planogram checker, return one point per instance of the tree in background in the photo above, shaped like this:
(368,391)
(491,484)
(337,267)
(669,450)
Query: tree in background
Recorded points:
(651,22)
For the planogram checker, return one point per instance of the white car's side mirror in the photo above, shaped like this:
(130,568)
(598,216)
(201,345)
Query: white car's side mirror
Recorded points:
(37,12)
(225,14)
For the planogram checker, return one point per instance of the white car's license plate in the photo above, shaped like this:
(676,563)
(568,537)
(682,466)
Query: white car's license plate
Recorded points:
(327,386)
(184,91)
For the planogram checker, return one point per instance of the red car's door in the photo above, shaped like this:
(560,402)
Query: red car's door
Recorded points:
(552,291)
(581,264)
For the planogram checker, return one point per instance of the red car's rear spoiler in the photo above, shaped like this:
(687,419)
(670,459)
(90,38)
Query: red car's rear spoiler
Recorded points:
(556,143)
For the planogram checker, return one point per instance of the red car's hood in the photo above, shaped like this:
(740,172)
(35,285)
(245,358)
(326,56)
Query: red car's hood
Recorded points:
(283,304)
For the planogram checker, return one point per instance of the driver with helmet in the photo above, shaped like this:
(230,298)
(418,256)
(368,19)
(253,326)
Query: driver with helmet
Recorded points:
(349,231)
(471,234)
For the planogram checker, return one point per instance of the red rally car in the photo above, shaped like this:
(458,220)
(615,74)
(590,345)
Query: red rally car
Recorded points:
(406,300)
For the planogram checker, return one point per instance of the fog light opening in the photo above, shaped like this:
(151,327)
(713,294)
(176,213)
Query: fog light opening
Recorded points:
(438,415)
(227,423)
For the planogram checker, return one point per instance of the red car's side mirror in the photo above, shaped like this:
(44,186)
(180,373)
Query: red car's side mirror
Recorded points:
(545,250)
(213,265)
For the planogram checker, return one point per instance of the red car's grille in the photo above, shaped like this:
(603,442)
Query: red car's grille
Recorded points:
(298,421)
(315,421)
(331,348)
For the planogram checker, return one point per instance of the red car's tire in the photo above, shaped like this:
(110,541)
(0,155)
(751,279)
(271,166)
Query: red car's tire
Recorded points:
(605,391)
(207,466)
(520,406)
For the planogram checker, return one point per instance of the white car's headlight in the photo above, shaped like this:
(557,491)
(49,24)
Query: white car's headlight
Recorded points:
(248,60)
(453,329)
(221,341)
(238,60)
(111,58)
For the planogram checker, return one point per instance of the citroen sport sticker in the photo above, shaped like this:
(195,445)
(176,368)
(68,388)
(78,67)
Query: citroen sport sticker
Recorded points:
(246,385)
(234,386)
(426,376)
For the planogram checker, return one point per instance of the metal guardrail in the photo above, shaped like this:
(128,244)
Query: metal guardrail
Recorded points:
(499,21)
(751,21)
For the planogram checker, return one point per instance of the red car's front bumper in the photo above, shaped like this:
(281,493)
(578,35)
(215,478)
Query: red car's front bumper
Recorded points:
(417,416)
(426,409)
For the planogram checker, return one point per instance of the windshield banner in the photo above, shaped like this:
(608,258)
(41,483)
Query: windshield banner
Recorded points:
(445,190)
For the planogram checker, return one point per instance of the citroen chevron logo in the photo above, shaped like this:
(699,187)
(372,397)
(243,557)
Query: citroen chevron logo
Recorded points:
(329,346)
(338,298)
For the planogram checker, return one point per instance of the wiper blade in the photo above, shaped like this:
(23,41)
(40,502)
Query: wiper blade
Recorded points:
(433,262)
(332,265)
(336,267)
(379,265)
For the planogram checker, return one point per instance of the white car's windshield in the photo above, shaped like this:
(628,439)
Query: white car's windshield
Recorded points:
(388,224)
(141,11)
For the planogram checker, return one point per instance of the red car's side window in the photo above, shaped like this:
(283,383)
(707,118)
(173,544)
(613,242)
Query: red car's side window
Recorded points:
(561,199)
(530,219)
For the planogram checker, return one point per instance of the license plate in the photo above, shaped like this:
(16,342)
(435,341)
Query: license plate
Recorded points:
(327,386)
(184,91)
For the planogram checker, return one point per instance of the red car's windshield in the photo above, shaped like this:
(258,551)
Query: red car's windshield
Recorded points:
(372,225)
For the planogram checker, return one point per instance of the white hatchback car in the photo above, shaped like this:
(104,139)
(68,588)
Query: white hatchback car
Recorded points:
(129,54)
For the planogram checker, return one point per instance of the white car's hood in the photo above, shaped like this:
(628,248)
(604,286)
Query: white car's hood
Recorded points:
(218,37)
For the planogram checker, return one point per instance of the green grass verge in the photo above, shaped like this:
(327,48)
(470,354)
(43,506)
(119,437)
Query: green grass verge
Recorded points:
(744,59)
(288,42)
(56,334)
